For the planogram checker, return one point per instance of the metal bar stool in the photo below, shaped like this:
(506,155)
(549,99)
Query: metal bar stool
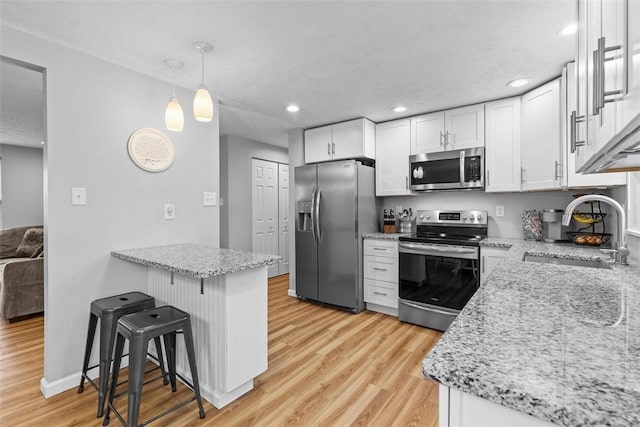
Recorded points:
(109,310)
(139,328)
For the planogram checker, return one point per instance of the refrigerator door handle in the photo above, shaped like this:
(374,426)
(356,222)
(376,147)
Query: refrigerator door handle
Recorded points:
(317,213)
(313,215)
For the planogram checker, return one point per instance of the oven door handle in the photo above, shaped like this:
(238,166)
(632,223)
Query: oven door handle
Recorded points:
(419,307)
(437,249)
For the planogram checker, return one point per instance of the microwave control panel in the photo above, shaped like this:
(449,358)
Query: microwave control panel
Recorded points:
(472,168)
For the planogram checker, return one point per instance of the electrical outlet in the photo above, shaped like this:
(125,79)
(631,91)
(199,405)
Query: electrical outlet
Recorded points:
(221,201)
(499,210)
(209,199)
(398,209)
(169,211)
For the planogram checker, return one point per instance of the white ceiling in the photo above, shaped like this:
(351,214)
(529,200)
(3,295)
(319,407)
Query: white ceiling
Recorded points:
(337,60)
(21,105)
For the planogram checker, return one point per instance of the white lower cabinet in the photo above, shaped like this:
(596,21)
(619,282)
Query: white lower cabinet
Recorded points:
(460,409)
(489,258)
(380,265)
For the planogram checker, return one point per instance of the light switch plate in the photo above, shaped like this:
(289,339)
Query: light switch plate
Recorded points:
(78,196)
(169,211)
(499,210)
(209,198)
(221,201)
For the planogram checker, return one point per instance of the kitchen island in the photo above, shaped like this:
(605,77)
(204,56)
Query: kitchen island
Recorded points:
(225,292)
(557,342)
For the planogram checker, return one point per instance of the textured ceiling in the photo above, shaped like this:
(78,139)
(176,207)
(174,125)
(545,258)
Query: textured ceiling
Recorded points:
(337,60)
(21,105)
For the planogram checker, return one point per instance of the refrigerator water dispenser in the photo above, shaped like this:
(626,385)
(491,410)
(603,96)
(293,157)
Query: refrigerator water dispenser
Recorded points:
(304,216)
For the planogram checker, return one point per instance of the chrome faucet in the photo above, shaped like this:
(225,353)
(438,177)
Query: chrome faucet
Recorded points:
(621,252)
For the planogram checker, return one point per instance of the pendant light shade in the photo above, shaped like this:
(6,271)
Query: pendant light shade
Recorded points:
(203,105)
(173,115)
(202,102)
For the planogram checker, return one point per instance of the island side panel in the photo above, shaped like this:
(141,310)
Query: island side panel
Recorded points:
(230,328)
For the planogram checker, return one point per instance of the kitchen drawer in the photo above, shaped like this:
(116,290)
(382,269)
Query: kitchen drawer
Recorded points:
(386,248)
(381,268)
(381,293)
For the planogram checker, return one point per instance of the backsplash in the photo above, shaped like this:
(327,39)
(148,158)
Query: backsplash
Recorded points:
(508,226)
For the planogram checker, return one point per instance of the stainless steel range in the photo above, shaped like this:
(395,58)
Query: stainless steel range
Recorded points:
(439,266)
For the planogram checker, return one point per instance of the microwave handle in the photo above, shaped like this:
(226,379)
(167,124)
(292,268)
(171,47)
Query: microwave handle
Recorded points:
(462,168)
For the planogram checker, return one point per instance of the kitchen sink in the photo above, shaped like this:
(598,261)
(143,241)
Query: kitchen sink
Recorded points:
(591,263)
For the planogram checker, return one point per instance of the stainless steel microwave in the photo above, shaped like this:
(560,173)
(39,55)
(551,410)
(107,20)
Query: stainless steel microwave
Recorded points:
(447,170)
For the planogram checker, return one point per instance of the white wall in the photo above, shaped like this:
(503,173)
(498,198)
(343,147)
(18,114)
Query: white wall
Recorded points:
(92,109)
(296,158)
(514,204)
(235,187)
(22,198)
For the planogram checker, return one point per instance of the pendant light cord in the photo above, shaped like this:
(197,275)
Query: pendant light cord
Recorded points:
(202,53)
(173,73)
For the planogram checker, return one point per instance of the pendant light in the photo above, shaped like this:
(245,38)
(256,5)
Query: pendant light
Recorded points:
(202,103)
(173,115)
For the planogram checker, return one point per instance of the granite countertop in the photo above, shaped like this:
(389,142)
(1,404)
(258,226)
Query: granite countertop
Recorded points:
(195,260)
(557,342)
(384,236)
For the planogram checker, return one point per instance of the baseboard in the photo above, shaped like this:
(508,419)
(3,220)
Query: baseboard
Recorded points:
(69,382)
(292,293)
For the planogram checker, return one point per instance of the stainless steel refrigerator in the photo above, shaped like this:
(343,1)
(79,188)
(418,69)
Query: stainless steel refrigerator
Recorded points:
(336,205)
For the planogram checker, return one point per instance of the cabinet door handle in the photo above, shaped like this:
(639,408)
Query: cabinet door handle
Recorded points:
(442,138)
(573,131)
(406,182)
(328,148)
(599,93)
(379,249)
(523,175)
(482,265)
(333,149)
(556,175)
(380,293)
(379,269)
(446,139)
(488,175)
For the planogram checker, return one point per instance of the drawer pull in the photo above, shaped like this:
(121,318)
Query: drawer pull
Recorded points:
(379,269)
(380,293)
(379,249)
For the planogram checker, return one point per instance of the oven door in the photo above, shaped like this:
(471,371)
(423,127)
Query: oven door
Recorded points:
(435,282)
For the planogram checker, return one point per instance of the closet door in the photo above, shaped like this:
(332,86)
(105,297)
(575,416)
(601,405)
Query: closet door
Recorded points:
(265,209)
(283,218)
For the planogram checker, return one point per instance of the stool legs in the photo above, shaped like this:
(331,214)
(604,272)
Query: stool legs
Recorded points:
(137,360)
(91,332)
(188,340)
(107,338)
(170,348)
(163,369)
(117,358)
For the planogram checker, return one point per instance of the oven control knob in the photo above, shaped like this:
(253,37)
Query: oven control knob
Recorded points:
(464,218)
(479,217)
(421,217)
(472,218)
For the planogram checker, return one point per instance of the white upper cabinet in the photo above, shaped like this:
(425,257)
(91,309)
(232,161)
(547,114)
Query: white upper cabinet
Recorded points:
(609,65)
(502,153)
(393,142)
(354,139)
(317,144)
(464,127)
(541,138)
(454,129)
(575,140)
(427,133)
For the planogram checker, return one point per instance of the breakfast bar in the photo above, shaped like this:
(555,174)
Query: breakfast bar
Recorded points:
(225,291)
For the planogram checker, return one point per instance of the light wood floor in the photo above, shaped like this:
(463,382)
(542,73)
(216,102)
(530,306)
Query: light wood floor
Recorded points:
(326,367)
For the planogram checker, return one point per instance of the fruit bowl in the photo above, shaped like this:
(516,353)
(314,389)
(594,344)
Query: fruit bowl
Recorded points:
(590,239)
(588,218)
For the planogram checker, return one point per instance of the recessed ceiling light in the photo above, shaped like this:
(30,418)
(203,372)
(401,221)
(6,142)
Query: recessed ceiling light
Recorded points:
(569,29)
(399,109)
(293,108)
(517,82)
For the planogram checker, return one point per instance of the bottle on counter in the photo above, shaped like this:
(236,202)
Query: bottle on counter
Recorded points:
(392,222)
(385,222)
